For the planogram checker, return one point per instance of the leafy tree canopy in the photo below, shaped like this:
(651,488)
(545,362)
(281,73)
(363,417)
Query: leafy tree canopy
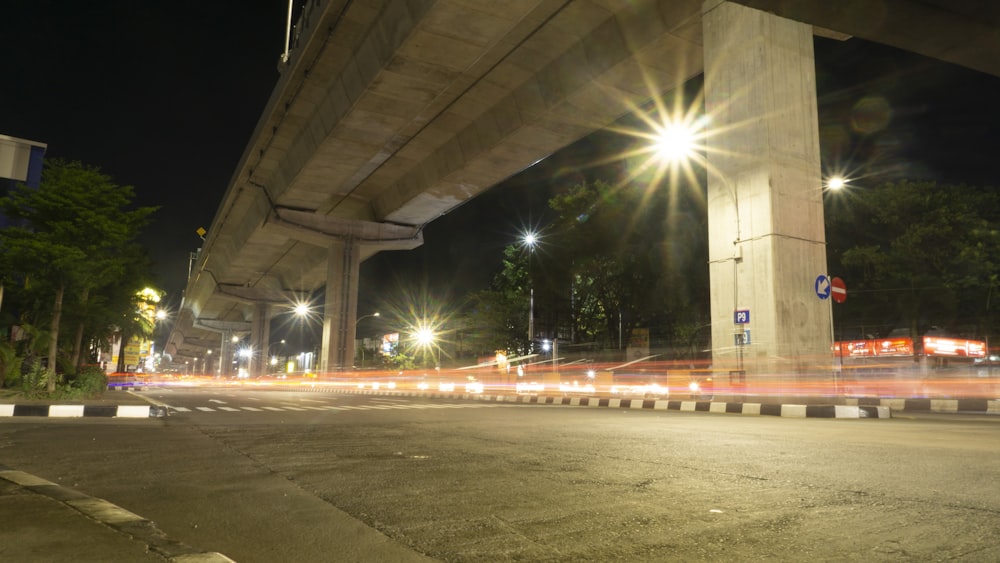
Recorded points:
(918,254)
(73,237)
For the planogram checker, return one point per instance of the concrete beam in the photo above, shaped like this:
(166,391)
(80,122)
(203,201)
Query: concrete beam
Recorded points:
(253,295)
(222,326)
(322,231)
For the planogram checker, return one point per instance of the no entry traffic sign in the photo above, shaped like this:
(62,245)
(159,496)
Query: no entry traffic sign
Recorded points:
(838,290)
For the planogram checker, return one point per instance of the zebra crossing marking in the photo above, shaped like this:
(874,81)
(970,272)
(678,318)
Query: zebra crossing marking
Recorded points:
(337,408)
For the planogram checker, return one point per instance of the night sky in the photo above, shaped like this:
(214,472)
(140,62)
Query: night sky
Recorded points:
(163,96)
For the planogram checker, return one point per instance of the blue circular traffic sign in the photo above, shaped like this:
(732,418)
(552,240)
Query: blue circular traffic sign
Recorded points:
(822,287)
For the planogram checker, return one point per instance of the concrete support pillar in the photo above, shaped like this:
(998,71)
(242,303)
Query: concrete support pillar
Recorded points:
(226,354)
(765,201)
(260,337)
(341,306)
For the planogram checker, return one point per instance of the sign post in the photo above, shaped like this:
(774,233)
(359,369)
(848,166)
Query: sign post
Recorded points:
(741,338)
(825,288)
(838,290)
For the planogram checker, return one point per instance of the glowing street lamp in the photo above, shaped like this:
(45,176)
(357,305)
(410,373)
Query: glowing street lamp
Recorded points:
(836,182)
(529,240)
(375,314)
(425,338)
(674,143)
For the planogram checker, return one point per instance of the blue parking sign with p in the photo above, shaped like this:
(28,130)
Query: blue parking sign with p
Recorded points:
(741,316)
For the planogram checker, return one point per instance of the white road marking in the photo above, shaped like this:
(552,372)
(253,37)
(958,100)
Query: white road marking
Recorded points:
(402,405)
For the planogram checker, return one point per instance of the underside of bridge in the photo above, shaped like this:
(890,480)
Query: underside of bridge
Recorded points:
(390,114)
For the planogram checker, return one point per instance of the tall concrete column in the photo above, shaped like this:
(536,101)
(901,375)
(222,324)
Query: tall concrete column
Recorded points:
(226,354)
(260,337)
(341,306)
(765,201)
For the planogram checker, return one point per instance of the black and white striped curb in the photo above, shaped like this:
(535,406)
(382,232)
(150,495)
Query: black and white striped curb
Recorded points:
(933,405)
(115,517)
(79,411)
(752,409)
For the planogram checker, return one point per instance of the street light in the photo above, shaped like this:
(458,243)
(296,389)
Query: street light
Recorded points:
(425,337)
(274,357)
(375,314)
(530,239)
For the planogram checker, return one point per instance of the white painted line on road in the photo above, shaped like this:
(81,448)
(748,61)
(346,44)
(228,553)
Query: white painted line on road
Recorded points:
(288,408)
(273,409)
(314,408)
(251,409)
(180,409)
(205,409)
(230,409)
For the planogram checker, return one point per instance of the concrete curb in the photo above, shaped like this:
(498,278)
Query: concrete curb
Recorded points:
(933,405)
(786,410)
(79,411)
(113,516)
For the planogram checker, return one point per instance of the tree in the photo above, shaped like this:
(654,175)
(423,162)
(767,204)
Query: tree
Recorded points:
(77,233)
(500,314)
(919,254)
(636,254)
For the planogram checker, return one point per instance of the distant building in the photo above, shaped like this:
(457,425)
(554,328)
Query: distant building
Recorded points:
(20,161)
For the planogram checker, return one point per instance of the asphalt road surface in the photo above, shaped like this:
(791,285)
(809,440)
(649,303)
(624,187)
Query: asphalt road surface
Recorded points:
(274,475)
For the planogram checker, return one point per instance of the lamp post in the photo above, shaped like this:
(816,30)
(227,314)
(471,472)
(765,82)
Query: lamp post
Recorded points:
(273,358)
(425,339)
(375,314)
(530,240)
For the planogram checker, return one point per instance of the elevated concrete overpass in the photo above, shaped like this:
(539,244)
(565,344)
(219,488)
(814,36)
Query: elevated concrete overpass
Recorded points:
(389,114)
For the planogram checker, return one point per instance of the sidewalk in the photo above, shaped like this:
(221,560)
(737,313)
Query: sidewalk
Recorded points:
(112,403)
(56,523)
